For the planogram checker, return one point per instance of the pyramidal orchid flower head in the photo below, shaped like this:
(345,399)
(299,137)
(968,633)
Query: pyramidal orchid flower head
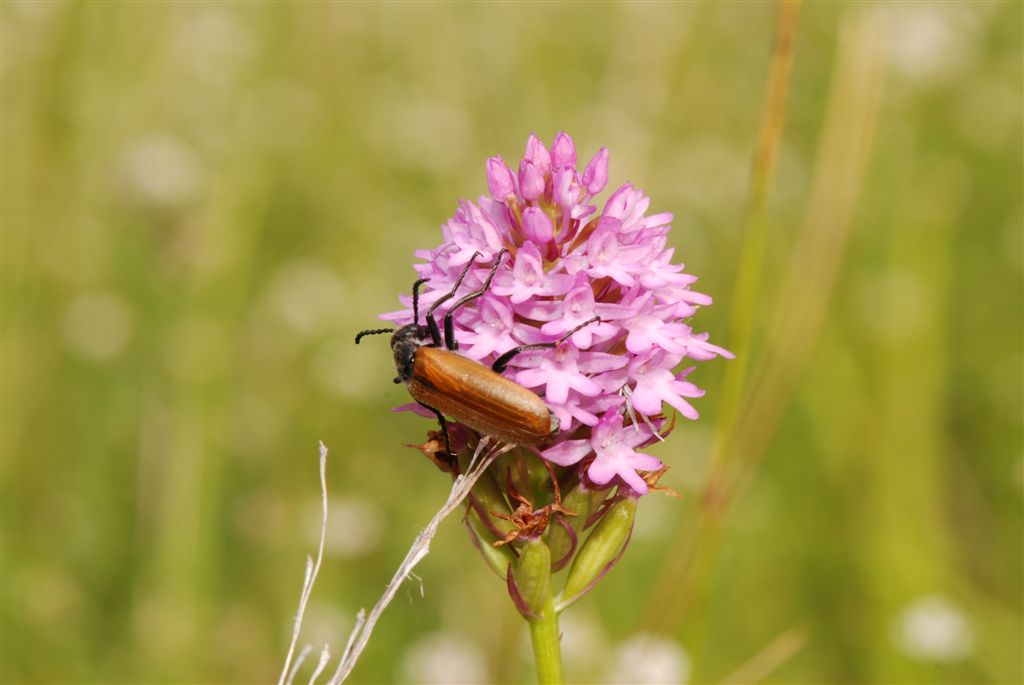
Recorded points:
(610,382)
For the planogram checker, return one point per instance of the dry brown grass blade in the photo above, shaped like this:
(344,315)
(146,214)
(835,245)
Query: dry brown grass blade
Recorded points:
(768,660)
(843,154)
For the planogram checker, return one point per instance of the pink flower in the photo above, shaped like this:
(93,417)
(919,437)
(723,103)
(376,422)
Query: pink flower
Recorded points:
(493,332)
(564,369)
(610,382)
(614,447)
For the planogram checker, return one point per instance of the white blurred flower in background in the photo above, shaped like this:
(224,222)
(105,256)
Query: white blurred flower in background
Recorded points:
(98,325)
(162,169)
(444,659)
(651,660)
(354,525)
(932,628)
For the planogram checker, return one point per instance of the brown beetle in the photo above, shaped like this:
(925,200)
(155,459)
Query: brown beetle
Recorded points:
(467,391)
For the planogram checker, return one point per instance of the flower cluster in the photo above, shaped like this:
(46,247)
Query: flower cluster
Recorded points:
(567,263)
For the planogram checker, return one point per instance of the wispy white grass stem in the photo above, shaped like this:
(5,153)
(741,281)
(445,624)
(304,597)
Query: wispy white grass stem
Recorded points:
(312,569)
(325,657)
(420,548)
(365,623)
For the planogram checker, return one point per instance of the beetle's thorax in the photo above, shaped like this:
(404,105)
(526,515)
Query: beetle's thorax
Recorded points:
(403,344)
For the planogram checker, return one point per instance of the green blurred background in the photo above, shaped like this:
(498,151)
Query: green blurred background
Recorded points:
(202,202)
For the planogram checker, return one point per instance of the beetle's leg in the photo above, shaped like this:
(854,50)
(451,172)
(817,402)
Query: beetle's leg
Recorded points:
(416,299)
(435,332)
(501,363)
(449,323)
(444,429)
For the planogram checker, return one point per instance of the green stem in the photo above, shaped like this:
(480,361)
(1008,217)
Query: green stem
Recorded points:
(547,651)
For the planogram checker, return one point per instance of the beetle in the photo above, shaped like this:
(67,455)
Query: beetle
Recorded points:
(449,384)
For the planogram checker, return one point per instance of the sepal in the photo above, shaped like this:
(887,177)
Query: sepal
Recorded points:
(600,552)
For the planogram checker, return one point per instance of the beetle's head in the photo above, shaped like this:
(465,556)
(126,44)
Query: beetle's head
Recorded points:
(403,344)
(406,339)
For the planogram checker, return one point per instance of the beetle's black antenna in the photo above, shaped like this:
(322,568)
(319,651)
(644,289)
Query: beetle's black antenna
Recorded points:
(449,324)
(416,299)
(435,332)
(372,331)
(501,363)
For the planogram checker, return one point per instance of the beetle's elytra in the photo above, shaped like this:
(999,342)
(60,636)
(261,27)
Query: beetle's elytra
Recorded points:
(465,390)
(479,398)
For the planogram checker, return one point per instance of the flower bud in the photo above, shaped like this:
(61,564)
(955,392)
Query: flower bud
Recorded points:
(531,181)
(499,559)
(500,181)
(529,585)
(600,552)
(563,152)
(537,155)
(537,225)
(595,176)
(566,189)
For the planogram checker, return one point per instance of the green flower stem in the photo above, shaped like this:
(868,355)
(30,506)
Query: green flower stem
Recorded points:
(547,650)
